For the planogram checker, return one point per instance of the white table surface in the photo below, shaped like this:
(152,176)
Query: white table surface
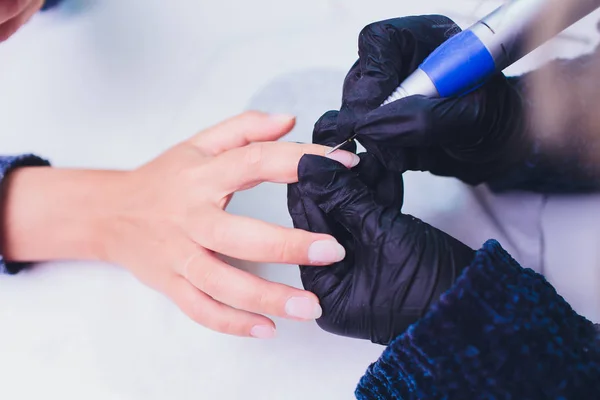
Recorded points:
(111,84)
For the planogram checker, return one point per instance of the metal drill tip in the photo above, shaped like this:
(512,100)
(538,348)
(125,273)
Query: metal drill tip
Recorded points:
(340,145)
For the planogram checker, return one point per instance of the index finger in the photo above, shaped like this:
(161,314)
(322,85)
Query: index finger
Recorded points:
(326,132)
(277,162)
(241,130)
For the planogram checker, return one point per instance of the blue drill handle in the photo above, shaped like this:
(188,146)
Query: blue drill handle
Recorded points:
(459,65)
(468,59)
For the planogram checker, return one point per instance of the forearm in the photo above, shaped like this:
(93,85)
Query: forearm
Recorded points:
(50,214)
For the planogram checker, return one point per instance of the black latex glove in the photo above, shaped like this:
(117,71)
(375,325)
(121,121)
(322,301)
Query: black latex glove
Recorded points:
(476,137)
(396,265)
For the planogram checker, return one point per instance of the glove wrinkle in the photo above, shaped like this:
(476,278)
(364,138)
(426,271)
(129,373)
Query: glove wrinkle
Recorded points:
(395,264)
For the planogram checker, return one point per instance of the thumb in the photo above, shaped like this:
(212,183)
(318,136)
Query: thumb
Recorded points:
(326,132)
(386,185)
(341,195)
(308,216)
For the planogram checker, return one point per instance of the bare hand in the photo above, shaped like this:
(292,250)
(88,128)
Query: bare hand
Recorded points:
(16,13)
(165,222)
(171,225)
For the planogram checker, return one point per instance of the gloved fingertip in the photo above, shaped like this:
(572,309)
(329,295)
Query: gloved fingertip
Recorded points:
(350,160)
(310,163)
(338,192)
(327,120)
(321,173)
(326,130)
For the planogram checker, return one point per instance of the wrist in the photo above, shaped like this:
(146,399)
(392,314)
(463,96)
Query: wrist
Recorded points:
(52,214)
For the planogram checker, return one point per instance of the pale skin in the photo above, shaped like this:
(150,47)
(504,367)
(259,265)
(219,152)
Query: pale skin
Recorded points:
(16,13)
(165,223)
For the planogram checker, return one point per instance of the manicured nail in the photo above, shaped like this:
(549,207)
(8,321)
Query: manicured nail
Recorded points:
(262,332)
(303,307)
(350,160)
(326,251)
(282,118)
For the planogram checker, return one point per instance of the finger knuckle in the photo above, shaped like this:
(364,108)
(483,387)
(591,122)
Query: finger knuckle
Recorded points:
(311,149)
(253,156)
(211,281)
(369,31)
(203,227)
(191,176)
(213,236)
(262,300)
(327,121)
(282,248)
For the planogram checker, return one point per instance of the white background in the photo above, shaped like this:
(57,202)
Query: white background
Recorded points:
(111,84)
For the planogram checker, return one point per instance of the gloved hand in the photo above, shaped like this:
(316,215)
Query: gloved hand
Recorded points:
(475,137)
(396,265)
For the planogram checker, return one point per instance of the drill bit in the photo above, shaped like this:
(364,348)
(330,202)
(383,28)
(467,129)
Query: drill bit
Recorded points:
(341,144)
(396,95)
(471,57)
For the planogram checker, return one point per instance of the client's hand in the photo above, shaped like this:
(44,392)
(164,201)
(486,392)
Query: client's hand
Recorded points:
(166,223)
(396,265)
(16,13)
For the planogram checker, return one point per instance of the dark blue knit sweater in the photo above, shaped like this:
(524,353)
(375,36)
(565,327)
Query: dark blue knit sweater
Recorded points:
(501,332)
(7,163)
(48,4)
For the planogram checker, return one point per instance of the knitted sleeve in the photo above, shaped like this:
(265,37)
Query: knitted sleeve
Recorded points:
(7,164)
(501,332)
(48,4)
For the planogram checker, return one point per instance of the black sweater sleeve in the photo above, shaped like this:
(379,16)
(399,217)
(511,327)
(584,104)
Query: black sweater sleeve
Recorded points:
(7,164)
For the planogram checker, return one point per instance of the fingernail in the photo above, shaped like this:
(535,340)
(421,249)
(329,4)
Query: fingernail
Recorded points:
(350,160)
(282,118)
(303,307)
(326,251)
(262,332)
